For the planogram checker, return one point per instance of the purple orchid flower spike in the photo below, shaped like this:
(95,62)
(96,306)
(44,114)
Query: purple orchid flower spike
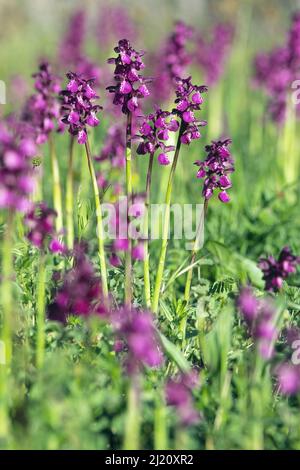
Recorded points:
(216,169)
(131,85)
(189,100)
(77,108)
(154,133)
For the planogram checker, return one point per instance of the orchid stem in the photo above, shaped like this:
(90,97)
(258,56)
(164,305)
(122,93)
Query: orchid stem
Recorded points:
(188,283)
(132,421)
(147,284)
(189,277)
(100,231)
(57,193)
(70,198)
(166,226)
(128,260)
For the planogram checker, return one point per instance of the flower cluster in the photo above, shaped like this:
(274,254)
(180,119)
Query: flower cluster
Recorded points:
(275,71)
(274,272)
(42,110)
(154,132)
(179,395)
(114,20)
(188,100)
(40,222)
(80,293)
(172,61)
(260,318)
(77,108)
(215,170)
(211,55)
(136,333)
(130,84)
(16,178)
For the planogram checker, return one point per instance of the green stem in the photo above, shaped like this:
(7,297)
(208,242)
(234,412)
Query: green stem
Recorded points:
(100,231)
(132,421)
(160,424)
(188,283)
(166,225)
(6,288)
(6,332)
(70,198)
(128,260)
(147,284)
(57,195)
(40,307)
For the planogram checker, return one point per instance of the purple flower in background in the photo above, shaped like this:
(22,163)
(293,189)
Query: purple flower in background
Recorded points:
(216,169)
(275,72)
(154,133)
(77,107)
(171,62)
(80,292)
(288,377)
(88,69)
(16,170)
(114,21)
(259,316)
(179,395)
(212,55)
(114,148)
(42,110)
(274,272)
(131,85)
(40,221)
(72,55)
(188,100)
(71,48)
(138,333)
(248,304)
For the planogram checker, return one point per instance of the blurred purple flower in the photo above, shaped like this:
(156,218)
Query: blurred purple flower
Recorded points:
(72,46)
(77,108)
(212,55)
(131,85)
(179,395)
(171,62)
(274,272)
(42,110)
(137,331)
(216,169)
(40,221)
(114,20)
(72,55)
(259,316)
(16,170)
(275,72)
(288,377)
(114,147)
(80,293)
